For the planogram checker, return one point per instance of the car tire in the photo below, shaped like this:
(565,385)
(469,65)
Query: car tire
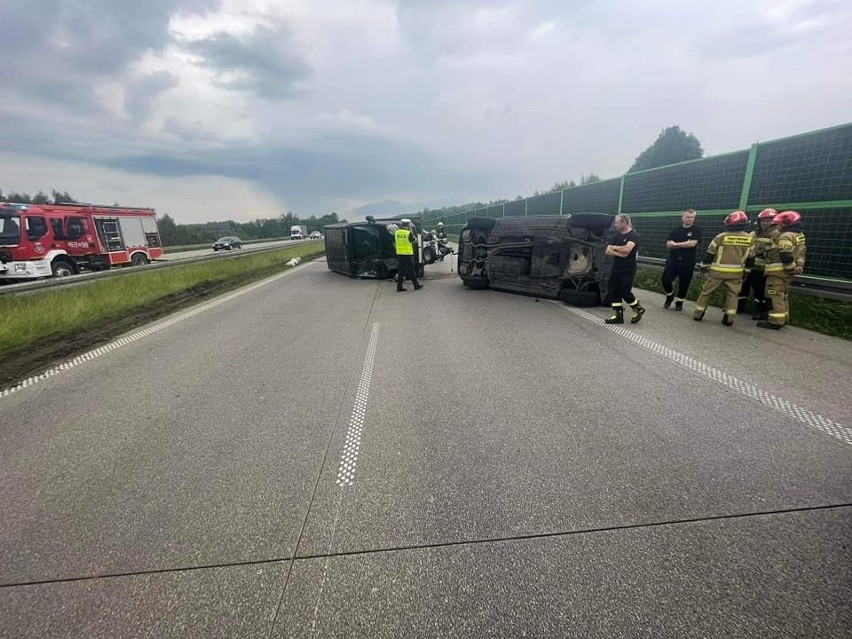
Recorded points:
(484,223)
(138,259)
(585,299)
(476,283)
(429,255)
(593,221)
(61,267)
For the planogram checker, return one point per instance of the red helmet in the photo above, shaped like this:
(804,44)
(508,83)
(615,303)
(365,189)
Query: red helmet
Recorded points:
(767,214)
(787,218)
(736,218)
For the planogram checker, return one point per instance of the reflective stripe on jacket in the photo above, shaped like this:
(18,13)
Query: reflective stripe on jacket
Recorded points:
(731,250)
(787,252)
(403,245)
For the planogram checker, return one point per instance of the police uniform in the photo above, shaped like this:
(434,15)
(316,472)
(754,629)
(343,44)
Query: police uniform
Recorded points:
(404,244)
(785,257)
(621,280)
(729,256)
(680,264)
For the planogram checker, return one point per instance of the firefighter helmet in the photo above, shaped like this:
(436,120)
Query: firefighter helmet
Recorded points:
(787,218)
(440,224)
(767,214)
(736,219)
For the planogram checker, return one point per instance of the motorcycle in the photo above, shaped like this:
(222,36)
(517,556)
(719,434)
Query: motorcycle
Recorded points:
(435,249)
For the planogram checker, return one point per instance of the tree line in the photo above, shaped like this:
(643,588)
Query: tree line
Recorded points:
(671,146)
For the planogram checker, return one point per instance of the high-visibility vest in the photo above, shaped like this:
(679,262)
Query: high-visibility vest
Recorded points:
(403,242)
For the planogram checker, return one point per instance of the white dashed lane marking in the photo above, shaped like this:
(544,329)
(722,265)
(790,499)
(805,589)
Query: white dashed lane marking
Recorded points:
(346,470)
(841,432)
(129,339)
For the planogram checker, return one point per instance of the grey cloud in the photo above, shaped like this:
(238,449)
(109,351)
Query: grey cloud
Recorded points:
(141,92)
(263,62)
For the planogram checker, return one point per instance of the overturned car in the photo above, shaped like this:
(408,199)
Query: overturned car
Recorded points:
(366,249)
(555,256)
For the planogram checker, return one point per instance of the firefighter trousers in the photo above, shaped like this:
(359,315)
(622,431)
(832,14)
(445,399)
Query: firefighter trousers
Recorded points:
(732,291)
(777,289)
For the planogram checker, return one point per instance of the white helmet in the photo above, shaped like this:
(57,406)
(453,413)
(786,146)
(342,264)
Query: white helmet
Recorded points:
(440,224)
(405,221)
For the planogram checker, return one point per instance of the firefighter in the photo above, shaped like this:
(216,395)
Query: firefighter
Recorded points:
(785,258)
(729,256)
(404,242)
(623,246)
(755,282)
(440,232)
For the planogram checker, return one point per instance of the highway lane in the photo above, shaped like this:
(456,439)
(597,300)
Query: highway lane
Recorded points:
(247,248)
(443,463)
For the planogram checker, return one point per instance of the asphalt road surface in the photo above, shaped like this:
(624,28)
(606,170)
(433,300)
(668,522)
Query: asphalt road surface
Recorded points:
(321,456)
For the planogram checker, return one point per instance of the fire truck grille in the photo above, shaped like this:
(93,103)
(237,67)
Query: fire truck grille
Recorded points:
(5,256)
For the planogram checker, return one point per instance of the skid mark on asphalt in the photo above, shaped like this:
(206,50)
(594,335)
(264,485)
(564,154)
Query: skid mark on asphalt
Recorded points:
(352,446)
(814,420)
(129,339)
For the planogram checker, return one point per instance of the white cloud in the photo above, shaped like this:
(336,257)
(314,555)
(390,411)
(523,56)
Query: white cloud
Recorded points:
(330,104)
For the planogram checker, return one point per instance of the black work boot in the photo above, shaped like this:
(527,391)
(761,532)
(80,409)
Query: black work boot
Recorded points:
(698,315)
(679,305)
(638,312)
(669,300)
(727,320)
(618,318)
(770,325)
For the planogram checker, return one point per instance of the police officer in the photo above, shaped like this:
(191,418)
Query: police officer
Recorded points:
(682,243)
(623,247)
(440,232)
(756,280)
(404,242)
(729,256)
(785,258)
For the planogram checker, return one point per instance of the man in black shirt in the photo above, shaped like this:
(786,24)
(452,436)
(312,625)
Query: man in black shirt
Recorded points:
(682,243)
(623,247)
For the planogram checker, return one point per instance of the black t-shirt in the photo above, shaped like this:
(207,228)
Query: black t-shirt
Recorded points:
(681,234)
(625,264)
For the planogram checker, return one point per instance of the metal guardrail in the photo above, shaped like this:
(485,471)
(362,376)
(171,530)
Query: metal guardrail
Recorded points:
(84,278)
(826,287)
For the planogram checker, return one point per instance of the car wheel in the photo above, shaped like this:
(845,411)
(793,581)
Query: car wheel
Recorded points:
(585,299)
(62,268)
(429,255)
(476,283)
(138,259)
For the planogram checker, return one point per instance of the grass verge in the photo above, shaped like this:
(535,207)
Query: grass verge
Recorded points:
(819,314)
(39,328)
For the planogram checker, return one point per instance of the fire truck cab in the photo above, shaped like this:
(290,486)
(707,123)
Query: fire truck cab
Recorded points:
(54,240)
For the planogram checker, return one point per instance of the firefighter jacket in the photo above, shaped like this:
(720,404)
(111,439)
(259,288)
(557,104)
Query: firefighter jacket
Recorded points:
(402,242)
(762,244)
(786,254)
(730,254)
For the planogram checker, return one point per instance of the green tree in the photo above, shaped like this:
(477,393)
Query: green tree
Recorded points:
(168,230)
(588,179)
(62,197)
(671,146)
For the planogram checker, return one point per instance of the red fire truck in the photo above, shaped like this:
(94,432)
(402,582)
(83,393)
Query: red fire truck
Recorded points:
(44,240)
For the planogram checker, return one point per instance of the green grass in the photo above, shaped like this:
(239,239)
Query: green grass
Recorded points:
(819,314)
(25,319)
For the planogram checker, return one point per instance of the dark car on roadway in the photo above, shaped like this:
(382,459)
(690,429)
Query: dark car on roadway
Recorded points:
(554,256)
(227,243)
(366,249)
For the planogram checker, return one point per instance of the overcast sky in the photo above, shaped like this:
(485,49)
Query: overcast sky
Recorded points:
(217,109)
